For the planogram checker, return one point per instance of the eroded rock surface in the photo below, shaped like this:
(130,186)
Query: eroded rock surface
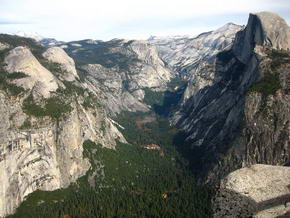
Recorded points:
(276,32)
(121,83)
(20,59)
(188,54)
(260,191)
(46,155)
(67,64)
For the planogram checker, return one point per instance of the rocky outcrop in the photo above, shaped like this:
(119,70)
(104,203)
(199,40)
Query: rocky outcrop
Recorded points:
(264,29)
(258,191)
(266,132)
(276,32)
(67,64)
(20,59)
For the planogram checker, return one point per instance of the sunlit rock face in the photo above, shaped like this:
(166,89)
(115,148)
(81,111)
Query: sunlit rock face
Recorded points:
(260,191)
(42,152)
(121,82)
(45,158)
(47,155)
(20,59)
(67,64)
(263,29)
(276,32)
(188,54)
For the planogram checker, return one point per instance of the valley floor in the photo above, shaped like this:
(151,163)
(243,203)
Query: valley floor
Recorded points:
(130,181)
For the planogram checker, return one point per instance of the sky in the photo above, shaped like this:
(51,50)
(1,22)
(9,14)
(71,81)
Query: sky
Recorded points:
(70,20)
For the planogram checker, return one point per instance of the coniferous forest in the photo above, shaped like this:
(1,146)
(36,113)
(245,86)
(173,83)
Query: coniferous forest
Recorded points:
(130,181)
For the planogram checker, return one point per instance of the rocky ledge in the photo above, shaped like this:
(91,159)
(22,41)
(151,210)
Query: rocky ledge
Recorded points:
(258,191)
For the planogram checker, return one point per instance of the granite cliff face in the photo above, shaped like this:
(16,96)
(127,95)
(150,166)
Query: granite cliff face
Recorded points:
(67,64)
(119,71)
(188,55)
(51,104)
(48,154)
(242,117)
(20,59)
(44,124)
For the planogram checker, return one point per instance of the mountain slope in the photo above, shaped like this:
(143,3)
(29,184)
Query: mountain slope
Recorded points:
(241,118)
(45,121)
(53,104)
(186,54)
(119,71)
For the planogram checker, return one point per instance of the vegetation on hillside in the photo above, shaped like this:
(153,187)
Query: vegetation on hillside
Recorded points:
(8,87)
(129,181)
(15,41)
(6,78)
(107,54)
(268,85)
(270,81)
(53,107)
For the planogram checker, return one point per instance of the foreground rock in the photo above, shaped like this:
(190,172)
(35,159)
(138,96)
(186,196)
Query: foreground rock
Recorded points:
(261,191)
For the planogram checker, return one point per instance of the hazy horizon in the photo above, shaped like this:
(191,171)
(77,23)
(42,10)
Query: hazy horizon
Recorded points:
(104,20)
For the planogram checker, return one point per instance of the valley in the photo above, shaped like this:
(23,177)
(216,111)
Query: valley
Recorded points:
(164,127)
(129,181)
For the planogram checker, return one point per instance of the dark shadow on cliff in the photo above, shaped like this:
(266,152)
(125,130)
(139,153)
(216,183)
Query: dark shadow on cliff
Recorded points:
(220,138)
(195,157)
(213,133)
(229,203)
(170,102)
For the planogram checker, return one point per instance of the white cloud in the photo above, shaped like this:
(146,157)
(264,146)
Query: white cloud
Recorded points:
(73,19)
